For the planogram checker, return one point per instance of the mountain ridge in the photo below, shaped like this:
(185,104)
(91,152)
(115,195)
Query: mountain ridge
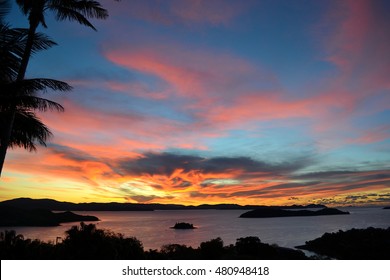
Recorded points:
(54,205)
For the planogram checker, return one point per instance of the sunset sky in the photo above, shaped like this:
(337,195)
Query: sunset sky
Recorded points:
(215,101)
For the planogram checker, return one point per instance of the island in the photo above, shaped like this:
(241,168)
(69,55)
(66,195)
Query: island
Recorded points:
(13,216)
(386,208)
(273,212)
(183,226)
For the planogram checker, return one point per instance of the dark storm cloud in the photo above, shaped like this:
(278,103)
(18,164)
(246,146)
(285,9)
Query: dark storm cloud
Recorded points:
(70,153)
(267,190)
(167,163)
(365,185)
(326,174)
(340,174)
(196,194)
(142,198)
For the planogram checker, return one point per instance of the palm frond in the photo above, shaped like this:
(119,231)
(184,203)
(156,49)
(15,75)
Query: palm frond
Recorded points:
(25,5)
(5,7)
(15,39)
(90,9)
(31,86)
(28,130)
(9,61)
(12,45)
(42,84)
(41,41)
(38,104)
(79,11)
(26,102)
(63,13)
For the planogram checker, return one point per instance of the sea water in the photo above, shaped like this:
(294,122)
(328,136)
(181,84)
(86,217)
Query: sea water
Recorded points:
(153,228)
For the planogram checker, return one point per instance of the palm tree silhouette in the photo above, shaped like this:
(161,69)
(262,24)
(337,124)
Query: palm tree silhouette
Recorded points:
(73,10)
(27,128)
(18,99)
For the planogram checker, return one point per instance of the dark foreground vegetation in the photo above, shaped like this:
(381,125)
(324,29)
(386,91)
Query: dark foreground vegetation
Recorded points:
(354,244)
(88,242)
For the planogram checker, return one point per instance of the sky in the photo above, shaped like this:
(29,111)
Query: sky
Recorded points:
(265,102)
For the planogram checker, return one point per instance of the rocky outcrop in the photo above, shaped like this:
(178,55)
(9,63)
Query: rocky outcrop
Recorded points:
(183,226)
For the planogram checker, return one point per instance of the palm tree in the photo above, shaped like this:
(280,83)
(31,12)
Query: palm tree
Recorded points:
(27,128)
(18,99)
(73,10)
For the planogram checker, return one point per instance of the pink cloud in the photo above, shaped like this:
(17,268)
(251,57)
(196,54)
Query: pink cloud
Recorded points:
(216,87)
(191,73)
(359,46)
(259,106)
(373,135)
(109,134)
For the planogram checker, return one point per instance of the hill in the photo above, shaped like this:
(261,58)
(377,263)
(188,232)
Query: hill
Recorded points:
(13,216)
(54,205)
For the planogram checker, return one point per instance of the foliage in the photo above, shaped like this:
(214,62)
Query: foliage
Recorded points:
(19,100)
(88,242)
(353,244)
(73,10)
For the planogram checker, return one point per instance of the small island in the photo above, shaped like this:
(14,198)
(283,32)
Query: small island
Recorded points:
(386,208)
(183,226)
(274,212)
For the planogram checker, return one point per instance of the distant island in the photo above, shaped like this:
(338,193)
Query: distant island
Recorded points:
(273,212)
(388,207)
(13,216)
(54,205)
(183,226)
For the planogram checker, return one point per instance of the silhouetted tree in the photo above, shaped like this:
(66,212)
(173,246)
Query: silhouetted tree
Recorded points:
(178,252)
(353,244)
(88,242)
(73,10)
(212,249)
(19,98)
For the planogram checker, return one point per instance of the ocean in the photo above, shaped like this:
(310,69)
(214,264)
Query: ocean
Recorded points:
(153,228)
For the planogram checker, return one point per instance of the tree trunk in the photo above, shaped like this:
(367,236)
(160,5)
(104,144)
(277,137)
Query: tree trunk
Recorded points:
(6,137)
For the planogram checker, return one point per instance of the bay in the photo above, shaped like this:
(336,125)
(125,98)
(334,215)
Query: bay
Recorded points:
(153,228)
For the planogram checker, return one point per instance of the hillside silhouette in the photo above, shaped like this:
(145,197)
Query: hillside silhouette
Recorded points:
(54,205)
(12,216)
(354,244)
